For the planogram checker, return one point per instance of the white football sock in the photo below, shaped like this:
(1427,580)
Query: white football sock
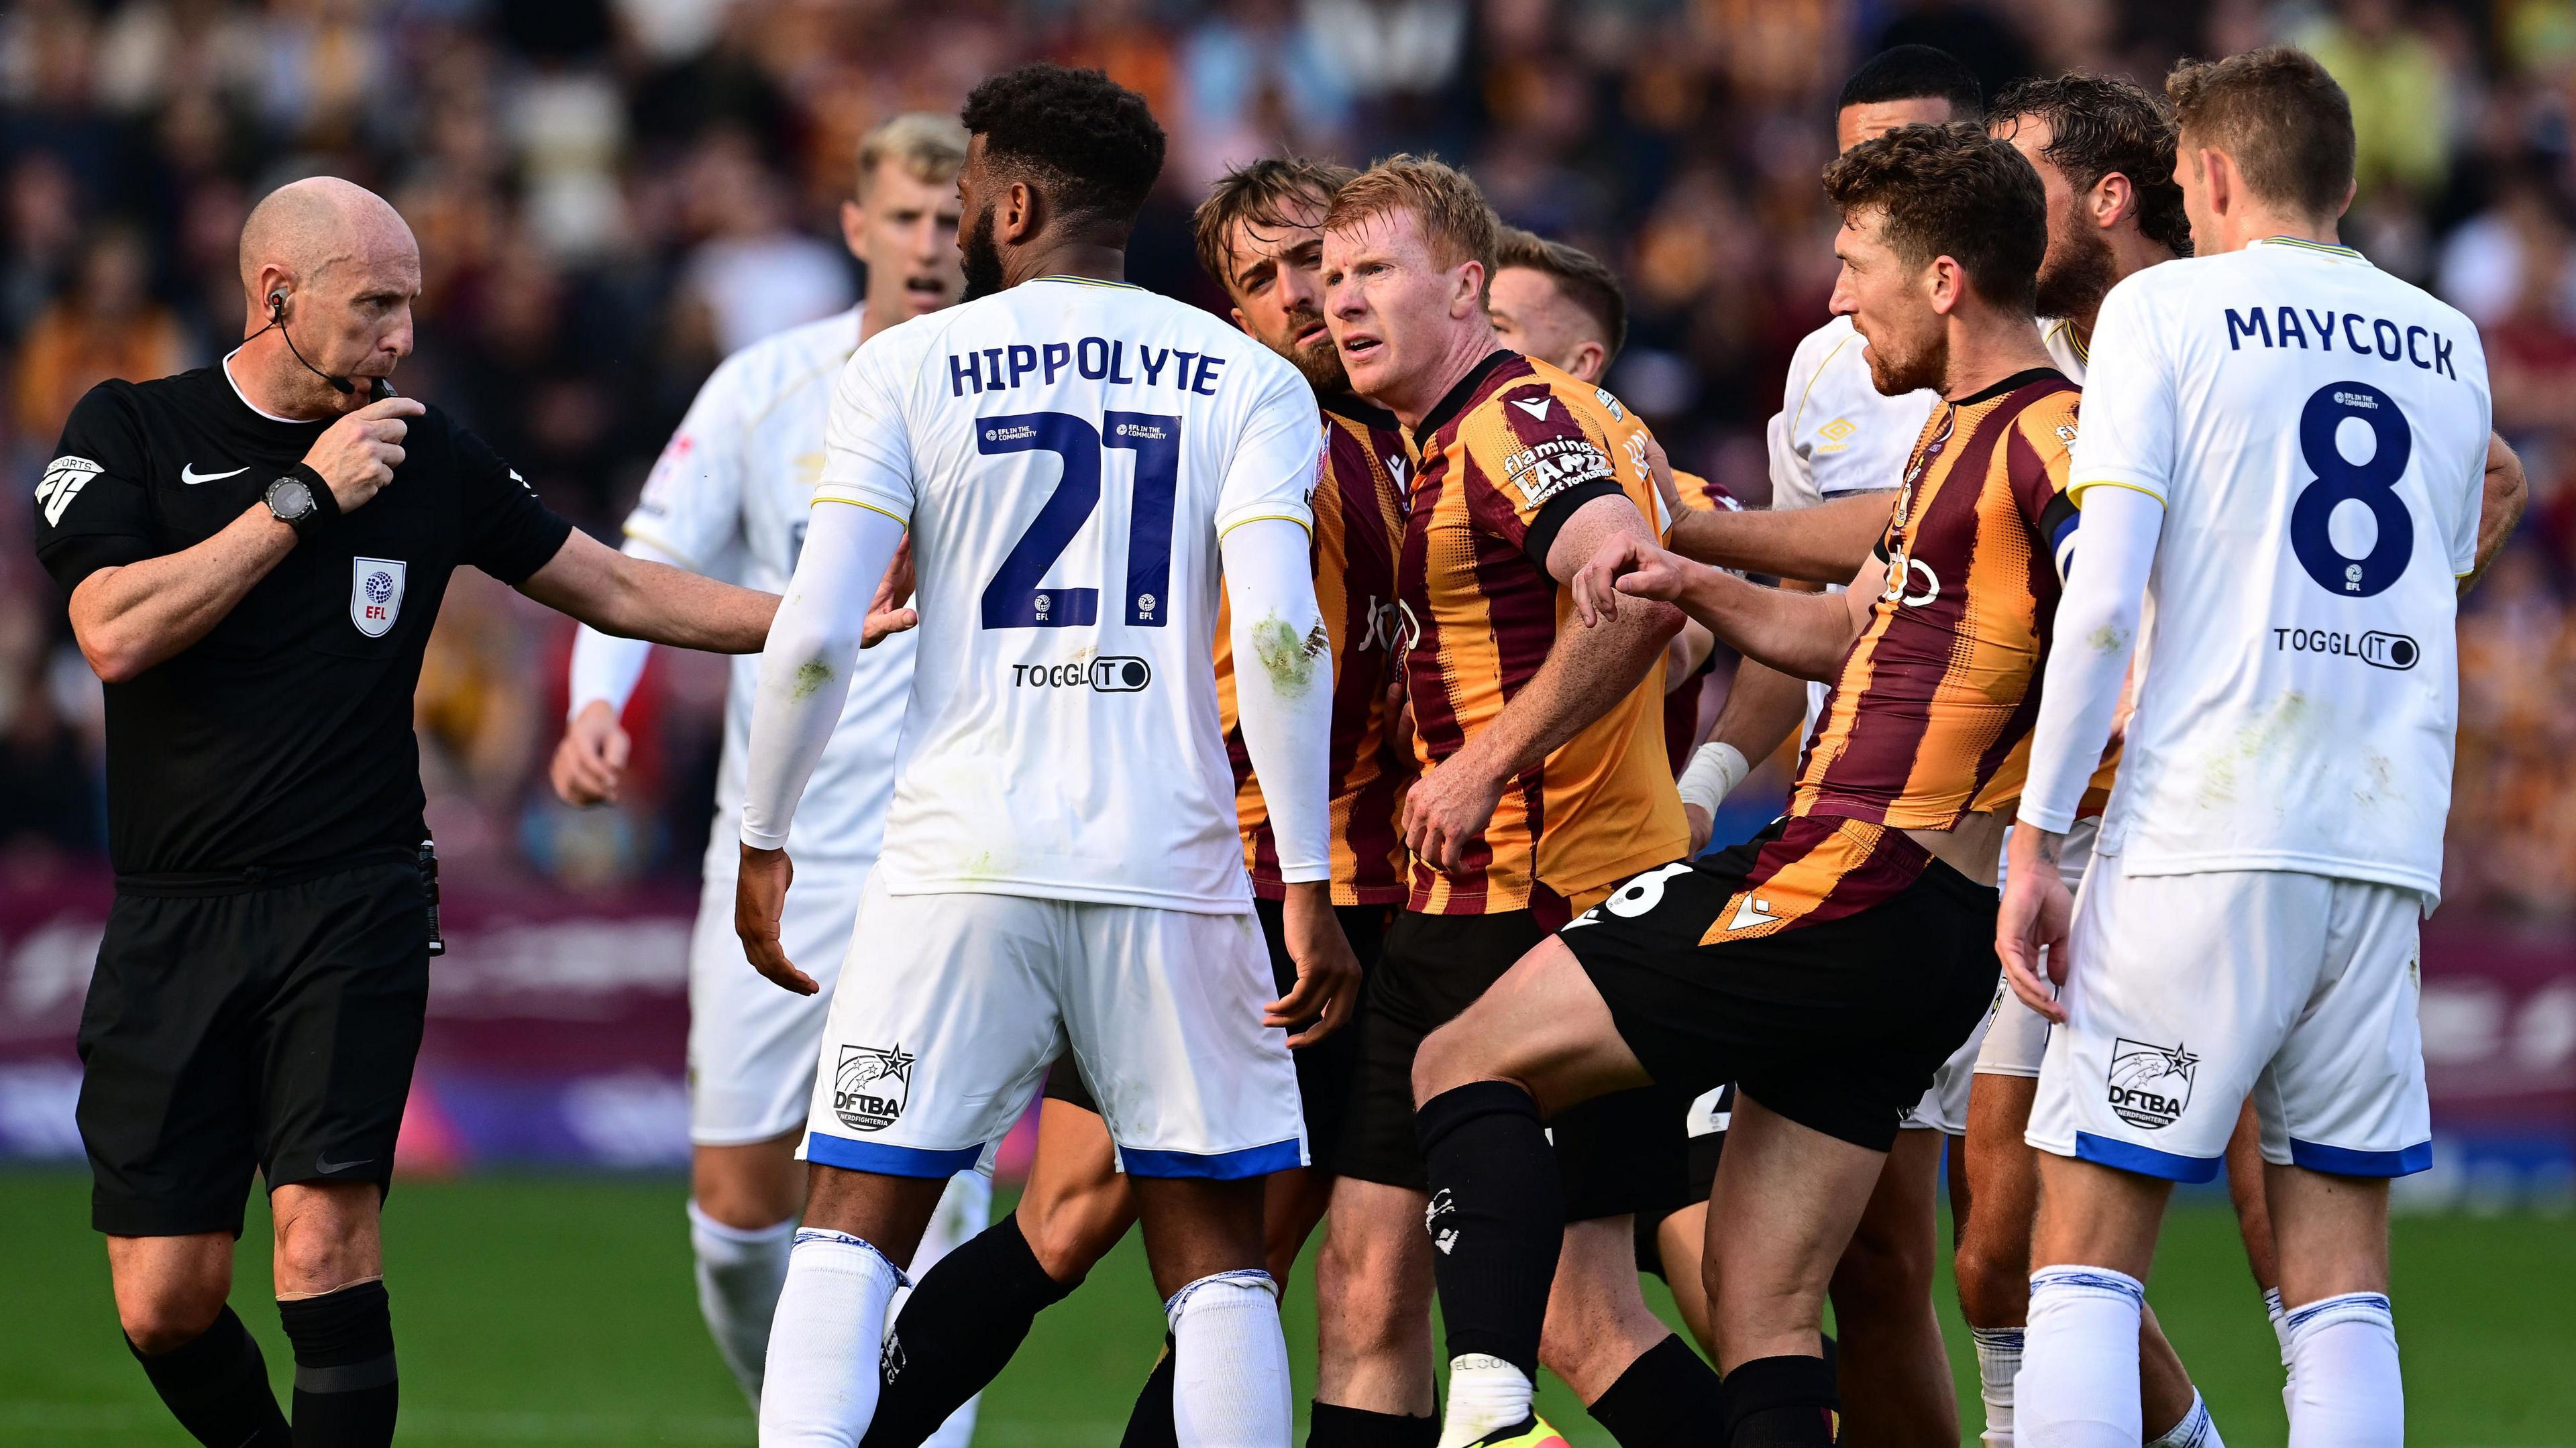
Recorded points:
(2280,1334)
(1998,1359)
(2343,1353)
(2079,1376)
(1485,1393)
(830,1330)
(964,1210)
(2196,1430)
(1229,1363)
(739,1273)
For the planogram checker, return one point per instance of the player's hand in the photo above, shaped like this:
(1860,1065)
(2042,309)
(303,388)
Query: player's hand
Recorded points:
(889,612)
(1447,809)
(1626,564)
(2031,926)
(1701,824)
(590,763)
(890,621)
(358,454)
(1328,972)
(759,897)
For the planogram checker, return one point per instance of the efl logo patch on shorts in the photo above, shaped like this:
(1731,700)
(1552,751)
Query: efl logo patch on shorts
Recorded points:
(376,594)
(870,1086)
(2150,1085)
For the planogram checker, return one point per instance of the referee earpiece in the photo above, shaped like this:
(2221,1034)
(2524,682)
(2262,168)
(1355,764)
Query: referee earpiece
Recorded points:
(277,305)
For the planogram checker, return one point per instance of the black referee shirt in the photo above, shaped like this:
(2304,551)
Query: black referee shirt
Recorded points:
(282,740)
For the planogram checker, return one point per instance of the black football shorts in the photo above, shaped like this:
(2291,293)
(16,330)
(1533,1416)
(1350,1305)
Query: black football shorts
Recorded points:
(271,1028)
(1834,1020)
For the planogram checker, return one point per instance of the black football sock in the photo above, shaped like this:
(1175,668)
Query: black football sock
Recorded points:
(216,1385)
(345,1389)
(1497,1218)
(1150,1424)
(1667,1398)
(1777,1402)
(964,1319)
(1330,1425)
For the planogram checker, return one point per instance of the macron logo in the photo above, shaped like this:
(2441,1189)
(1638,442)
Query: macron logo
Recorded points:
(63,480)
(1750,911)
(1535,407)
(188,474)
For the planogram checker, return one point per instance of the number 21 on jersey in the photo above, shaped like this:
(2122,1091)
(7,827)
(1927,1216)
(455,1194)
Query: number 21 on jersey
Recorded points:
(1013,598)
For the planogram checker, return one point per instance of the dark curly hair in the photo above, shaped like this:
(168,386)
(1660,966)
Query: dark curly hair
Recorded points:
(1085,141)
(2098,127)
(1914,73)
(1952,191)
(2280,116)
(1270,192)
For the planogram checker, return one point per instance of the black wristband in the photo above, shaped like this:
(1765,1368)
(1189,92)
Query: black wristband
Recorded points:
(326,504)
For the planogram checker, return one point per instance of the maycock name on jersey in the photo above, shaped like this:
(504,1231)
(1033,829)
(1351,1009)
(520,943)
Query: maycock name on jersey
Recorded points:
(1095,359)
(2348,332)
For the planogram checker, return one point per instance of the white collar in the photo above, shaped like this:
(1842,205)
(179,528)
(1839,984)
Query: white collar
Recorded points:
(227,365)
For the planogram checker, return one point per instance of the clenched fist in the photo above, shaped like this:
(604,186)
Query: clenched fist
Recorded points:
(358,454)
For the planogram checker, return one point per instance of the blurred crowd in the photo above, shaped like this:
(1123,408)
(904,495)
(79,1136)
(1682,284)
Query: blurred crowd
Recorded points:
(611,194)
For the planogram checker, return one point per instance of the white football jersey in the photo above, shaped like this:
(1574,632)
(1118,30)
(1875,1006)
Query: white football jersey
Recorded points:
(2317,430)
(729,498)
(2066,351)
(1067,453)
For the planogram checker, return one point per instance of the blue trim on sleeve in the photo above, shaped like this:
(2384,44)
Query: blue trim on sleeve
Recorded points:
(2144,1160)
(884,1160)
(2344,1161)
(1223,1166)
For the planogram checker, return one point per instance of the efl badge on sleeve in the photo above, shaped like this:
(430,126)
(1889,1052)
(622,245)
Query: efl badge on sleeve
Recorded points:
(375,594)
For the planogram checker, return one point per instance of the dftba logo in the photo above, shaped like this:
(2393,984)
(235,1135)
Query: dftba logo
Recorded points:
(2150,1085)
(870,1086)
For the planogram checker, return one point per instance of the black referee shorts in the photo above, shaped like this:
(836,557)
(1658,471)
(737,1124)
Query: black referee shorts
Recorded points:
(1837,1024)
(1434,967)
(1324,1069)
(272,1027)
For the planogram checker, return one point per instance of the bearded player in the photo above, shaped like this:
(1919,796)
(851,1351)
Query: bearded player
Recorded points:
(729,495)
(1257,237)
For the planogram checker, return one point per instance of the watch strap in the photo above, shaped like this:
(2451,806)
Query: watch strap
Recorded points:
(326,505)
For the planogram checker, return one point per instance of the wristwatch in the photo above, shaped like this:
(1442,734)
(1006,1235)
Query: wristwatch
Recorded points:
(301,500)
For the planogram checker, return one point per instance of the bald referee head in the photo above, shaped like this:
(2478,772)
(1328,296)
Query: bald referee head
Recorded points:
(328,272)
(255,553)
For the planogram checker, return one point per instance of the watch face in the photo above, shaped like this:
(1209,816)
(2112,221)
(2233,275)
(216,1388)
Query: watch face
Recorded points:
(290,499)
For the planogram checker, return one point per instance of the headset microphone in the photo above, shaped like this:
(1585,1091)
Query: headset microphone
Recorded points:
(378,388)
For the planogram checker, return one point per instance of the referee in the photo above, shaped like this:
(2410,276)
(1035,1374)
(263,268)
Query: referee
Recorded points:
(255,553)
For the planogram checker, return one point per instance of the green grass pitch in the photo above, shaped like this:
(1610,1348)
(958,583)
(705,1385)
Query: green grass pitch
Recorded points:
(558,1310)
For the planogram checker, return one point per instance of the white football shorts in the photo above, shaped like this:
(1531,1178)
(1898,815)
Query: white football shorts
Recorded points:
(752,1044)
(952,1006)
(2016,1035)
(2192,992)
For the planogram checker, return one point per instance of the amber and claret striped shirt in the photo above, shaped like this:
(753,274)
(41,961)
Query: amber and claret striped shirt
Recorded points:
(1498,466)
(1934,703)
(1359,522)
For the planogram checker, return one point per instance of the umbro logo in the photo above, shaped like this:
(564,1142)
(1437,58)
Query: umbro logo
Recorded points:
(1536,407)
(1751,911)
(188,474)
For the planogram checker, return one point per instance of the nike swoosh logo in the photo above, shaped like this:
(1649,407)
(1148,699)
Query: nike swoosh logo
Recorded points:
(188,474)
(326,1165)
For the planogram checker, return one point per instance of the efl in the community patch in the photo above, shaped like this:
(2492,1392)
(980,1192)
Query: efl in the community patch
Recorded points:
(375,594)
